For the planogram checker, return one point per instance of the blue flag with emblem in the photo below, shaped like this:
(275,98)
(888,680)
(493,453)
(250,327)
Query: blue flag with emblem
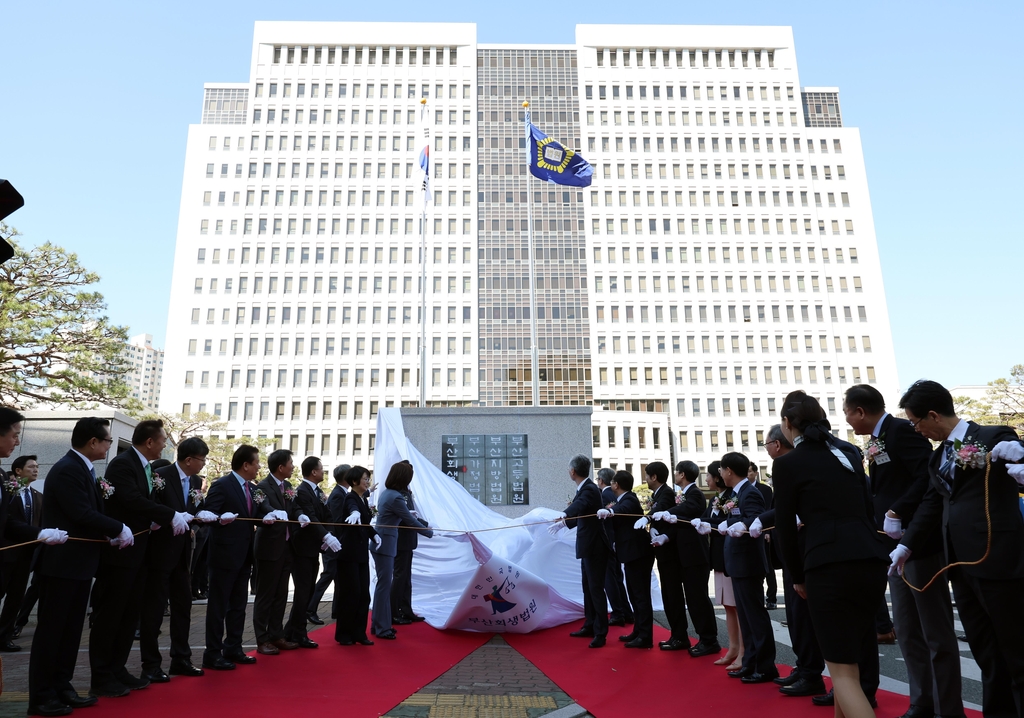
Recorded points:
(551,162)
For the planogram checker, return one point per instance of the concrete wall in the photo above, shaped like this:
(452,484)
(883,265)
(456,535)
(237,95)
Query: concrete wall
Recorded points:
(47,434)
(556,434)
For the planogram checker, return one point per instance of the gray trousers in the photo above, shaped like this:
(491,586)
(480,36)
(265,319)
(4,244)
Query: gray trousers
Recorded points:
(385,567)
(924,628)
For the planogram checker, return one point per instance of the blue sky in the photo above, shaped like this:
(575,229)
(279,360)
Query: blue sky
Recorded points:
(97,98)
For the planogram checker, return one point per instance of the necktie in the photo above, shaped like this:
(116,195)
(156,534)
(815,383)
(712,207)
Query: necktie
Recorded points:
(149,477)
(92,473)
(946,469)
(28,505)
(287,533)
(184,489)
(248,496)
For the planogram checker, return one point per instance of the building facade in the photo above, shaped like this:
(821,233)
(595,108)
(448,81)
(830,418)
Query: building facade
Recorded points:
(724,255)
(147,369)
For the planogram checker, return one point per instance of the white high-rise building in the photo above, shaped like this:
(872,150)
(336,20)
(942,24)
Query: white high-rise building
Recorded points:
(147,368)
(724,255)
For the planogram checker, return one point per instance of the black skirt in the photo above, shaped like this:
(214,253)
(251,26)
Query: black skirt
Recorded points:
(843,599)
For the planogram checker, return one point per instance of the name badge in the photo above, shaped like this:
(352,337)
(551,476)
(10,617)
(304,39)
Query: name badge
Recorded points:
(882,458)
(735,511)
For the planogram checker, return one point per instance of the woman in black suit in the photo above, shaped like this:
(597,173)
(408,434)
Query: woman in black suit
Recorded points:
(352,600)
(733,658)
(842,570)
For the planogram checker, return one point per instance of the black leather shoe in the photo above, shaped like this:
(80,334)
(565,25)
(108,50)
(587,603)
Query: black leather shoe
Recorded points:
(598,642)
(416,619)
(583,633)
(740,673)
(626,637)
(760,677)
(16,632)
(157,676)
(52,707)
(218,664)
(364,642)
(805,687)
(674,644)
(771,605)
(240,658)
(399,621)
(640,643)
(183,668)
(314,619)
(617,622)
(110,689)
(705,649)
(346,642)
(388,635)
(787,680)
(9,647)
(135,684)
(918,712)
(306,643)
(74,700)
(829,699)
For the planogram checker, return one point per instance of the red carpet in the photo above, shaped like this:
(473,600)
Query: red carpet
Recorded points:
(613,681)
(330,680)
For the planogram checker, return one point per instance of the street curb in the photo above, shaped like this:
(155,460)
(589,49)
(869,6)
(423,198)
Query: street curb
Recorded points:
(570,711)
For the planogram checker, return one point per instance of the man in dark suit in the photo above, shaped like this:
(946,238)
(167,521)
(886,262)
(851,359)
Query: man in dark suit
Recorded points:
(633,548)
(976,509)
(613,581)
(670,572)
(230,546)
(26,507)
(898,473)
(401,587)
(74,502)
(746,563)
(272,552)
(771,584)
(592,548)
(330,558)
(169,563)
(694,559)
(309,508)
(122,573)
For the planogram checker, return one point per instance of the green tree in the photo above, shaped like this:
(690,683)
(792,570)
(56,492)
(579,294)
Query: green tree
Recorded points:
(1006,397)
(56,344)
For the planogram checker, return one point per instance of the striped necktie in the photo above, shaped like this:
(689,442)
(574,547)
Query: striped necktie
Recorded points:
(946,469)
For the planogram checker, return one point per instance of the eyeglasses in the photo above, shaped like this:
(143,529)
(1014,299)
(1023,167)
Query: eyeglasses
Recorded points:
(108,440)
(773,441)
(200,459)
(914,424)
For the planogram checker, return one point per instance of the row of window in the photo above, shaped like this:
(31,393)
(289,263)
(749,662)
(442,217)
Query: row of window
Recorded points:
(374,91)
(628,316)
(255,315)
(311,379)
(283,345)
(679,58)
(656,284)
(332,54)
(766,374)
(694,92)
(705,345)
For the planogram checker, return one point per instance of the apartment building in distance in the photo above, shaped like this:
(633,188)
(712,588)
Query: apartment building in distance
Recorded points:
(147,368)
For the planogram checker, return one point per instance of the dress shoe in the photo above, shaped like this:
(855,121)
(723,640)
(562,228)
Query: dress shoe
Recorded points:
(216,664)
(314,619)
(804,687)
(705,649)
(740,673)
(625,637)
(52,707)
(583,633)
(306,643)
(9,647)
(201,596)
(157,676)
(138,636)
(388,635)
(346,642)
(829,699)
(74,700)
(918,712)
(617,622)
(771,605)
(787,680)
(267,649)
(598,642)
(760,677)
(674,644)
(400,621)
(184,668)
(640,643)
(887,638)
(283,644)
(240,658)
(416,619)
(16,632)
(364,642)
(133,683)
(110,689)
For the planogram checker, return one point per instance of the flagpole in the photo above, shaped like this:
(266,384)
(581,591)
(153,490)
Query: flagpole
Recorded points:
(535,375)
(423,270)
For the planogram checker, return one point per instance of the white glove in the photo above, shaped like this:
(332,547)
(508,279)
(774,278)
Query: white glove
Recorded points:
(723,527)
(899,556)
(353,518)
(52,537)
(206,517)
(154,526)
(227,518)
(270,518)
(331,544)
(603,514)
(415,513)
(376,540)
(1016,472)
(303,521)
(660,540)
(179,524)
(641,523)
(893,528)
(737,529)
(555,528)
(704,529)
(660,516)
(756,528)
(280,514)
(1008,451)
(696,524)
(655,533)
(671,518)
(124,539)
